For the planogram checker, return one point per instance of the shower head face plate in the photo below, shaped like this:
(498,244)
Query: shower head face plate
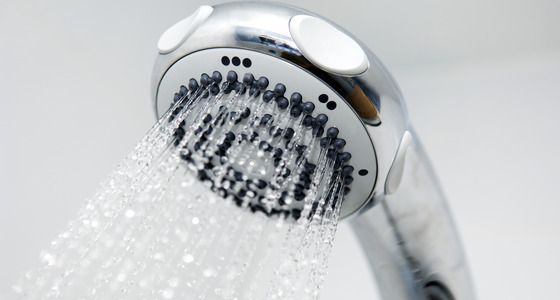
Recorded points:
(296,80)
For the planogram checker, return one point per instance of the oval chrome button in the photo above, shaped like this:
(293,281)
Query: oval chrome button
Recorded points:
(173,37)
(327,47)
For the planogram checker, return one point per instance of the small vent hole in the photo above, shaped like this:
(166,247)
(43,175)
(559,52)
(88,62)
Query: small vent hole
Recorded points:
(236,61)
(247,63)
(225,60)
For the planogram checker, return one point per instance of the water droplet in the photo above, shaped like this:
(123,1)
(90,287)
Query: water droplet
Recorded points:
(158,256)
(195,220)
(143,283)
(209,272)
(167,293)
(173,282)
(188,258)
(48,258)
(17,289)
(129,213)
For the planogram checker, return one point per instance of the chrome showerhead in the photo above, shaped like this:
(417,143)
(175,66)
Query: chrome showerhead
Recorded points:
(305,55)
(278,104)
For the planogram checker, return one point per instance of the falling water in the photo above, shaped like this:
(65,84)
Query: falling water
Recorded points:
(233,194)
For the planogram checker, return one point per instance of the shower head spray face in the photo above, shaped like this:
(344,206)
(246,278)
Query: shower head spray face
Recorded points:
(270,133)
(272,144)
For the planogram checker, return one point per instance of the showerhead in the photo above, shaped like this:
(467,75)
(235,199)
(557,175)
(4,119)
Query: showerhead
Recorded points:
(274,106)
(341,86)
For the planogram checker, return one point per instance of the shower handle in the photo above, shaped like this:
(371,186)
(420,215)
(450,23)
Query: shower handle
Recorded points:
(408,234)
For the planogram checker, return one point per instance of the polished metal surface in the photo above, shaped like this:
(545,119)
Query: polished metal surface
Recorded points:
(404,224)
(264,27)
(409,236)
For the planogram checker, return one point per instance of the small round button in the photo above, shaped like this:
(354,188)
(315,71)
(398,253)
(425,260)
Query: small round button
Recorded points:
(327,47)
(173,37)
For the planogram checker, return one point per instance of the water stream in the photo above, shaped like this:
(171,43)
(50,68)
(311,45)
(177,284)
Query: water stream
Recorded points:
(233,194)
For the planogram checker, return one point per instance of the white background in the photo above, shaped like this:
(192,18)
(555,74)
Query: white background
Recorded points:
(481,79)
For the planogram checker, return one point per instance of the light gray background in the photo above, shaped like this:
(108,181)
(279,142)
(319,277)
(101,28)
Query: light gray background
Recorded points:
(481,79)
